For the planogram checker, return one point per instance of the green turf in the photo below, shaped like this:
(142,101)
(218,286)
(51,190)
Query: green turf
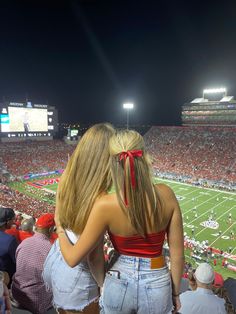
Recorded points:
(205,200)
(52,187)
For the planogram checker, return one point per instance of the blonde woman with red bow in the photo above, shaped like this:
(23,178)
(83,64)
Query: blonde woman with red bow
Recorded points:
(138,217)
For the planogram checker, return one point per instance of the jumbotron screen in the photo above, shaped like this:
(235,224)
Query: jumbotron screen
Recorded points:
(27,119)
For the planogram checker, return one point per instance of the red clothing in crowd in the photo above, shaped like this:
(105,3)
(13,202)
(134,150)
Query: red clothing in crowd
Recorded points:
(24,235)
(14,232)
(53,238)
(17,223)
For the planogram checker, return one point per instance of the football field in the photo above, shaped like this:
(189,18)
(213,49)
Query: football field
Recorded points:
(207,215)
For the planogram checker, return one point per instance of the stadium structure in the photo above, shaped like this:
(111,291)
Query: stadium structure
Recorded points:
(197,160)
(214,108)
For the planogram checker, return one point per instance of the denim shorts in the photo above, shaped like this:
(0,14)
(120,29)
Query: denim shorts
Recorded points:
(131,286)
(72,288)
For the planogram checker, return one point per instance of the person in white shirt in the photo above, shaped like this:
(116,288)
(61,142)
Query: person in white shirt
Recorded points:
(202,300)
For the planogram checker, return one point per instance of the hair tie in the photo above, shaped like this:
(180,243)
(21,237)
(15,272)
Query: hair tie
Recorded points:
(123,156)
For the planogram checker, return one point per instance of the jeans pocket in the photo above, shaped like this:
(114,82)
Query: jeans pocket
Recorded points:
(114,292)
(65,278)
(159,296)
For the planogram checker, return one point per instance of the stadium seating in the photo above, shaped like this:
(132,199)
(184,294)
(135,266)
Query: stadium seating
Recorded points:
(203,155)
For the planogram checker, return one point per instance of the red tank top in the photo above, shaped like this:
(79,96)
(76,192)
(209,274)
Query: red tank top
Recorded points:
(149,247)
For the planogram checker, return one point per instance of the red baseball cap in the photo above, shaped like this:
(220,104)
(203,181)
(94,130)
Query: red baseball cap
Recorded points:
(45,221)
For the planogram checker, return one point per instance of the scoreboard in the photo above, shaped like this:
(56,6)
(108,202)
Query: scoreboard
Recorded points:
(27,120)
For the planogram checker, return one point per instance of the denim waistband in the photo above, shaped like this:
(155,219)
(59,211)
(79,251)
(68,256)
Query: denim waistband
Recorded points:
(136,262)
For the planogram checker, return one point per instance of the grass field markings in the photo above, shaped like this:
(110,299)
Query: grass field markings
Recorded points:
(233,249)
(188,200)
(199,187)
(233,197)
(199,205)
(216,220)
(222,234)
(205,212)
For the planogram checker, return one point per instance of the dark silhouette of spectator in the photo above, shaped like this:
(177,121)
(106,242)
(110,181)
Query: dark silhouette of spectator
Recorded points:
(8,243)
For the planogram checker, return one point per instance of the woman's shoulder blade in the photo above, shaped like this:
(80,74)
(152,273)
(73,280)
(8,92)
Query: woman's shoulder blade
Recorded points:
(164,189)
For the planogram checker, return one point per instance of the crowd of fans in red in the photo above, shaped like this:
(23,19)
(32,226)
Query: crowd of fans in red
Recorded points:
(23,203)
(34,157)
(195,153)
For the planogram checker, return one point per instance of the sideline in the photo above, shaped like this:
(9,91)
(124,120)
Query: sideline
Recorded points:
(195,186)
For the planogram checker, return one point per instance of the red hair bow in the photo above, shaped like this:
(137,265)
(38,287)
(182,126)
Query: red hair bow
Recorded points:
(131,154)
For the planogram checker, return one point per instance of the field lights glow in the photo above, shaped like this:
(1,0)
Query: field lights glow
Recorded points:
(128,106)
(214,90)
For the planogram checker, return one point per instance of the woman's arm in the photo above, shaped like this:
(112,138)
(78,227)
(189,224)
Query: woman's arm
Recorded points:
(90,237)
(176,247)
(96,264)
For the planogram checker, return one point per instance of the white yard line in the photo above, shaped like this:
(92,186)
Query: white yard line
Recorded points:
(210,245)
(199,205)
(233,250)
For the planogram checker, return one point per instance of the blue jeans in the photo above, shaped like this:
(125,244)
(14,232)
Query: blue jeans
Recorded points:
(131,286)
(72,288)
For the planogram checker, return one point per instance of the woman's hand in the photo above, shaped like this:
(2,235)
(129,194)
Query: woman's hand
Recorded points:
(176,304)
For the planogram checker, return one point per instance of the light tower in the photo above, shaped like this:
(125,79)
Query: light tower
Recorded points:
(128,107)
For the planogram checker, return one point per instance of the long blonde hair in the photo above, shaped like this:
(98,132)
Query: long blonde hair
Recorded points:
(144,206)
(87,176)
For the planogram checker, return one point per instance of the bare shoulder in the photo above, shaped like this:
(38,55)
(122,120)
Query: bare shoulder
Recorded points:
(165,191)
(107,199)
(105,204)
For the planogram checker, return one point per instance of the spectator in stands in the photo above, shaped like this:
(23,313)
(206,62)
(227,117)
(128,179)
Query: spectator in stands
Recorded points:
(26,231)
(13,230)
(18,220)
(28,288)
(202,300)
(86,178)
(8,243)
(192,280)
(138,217)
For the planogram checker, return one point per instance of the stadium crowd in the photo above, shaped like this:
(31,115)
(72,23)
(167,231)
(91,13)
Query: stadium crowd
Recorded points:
(23,203)
(23,158)
(199,155)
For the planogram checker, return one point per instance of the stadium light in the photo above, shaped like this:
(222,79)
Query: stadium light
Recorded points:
(215,91)
(128,107)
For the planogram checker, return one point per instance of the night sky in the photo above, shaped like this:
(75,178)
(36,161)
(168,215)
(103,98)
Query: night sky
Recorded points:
(88,57)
